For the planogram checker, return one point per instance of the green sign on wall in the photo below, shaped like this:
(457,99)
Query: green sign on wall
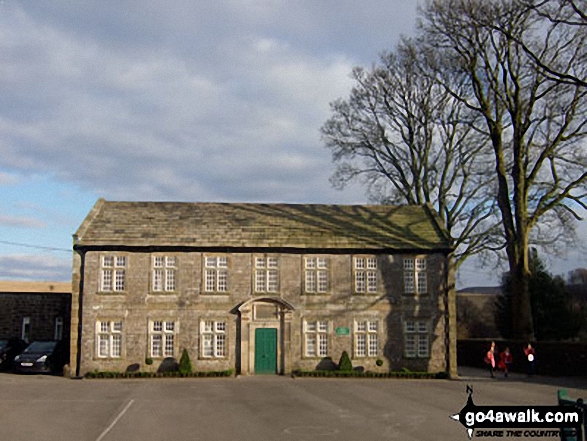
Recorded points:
(343,330)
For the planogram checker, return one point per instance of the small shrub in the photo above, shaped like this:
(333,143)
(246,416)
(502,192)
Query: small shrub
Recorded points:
(148,361)
(185,364)
(379,362)
(345,364)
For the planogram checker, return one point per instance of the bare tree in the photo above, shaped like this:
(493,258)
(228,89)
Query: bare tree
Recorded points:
(564,24)
(536,124)
(412,142)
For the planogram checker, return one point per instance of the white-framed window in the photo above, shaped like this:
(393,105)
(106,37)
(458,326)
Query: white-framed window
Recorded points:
(316,338)
(216,274)
(365,274)
(266,274)
(366,338)
(113,273)
(416,339)
(316,275)
(109,338)
(58,334)
(415,276)
(25,333)
(163,273)
(162,338)
(213,339)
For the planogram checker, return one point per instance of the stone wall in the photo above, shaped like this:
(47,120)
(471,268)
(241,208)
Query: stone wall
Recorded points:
(42,308)
(189,304)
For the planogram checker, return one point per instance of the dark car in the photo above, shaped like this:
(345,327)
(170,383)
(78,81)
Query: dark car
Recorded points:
(9,349)
(42,357)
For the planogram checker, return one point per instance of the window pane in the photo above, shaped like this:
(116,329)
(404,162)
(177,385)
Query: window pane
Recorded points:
(220,345)
(210,280)
(170,280)
(373,326)
(222,262)
(372,263)
(207,350)
(169,345)
(410,326)
(104,326)
(157,280)
(222,281)
(310,281)
(360,326)
(169,326)
(423,345)
(259,262)
(208,326)
(322,281)
(220,327)
(410,347)
(106,280)
(272,281)
(322,345)
(409,287)
(260,281)
(311,345)
(158,261)
(103,346)
(360,281)
(116,345)
(117,326)
(156,345)
(108,261)
(310,263)
(359,263)
(372,281)
(119,280)
(310,326)
(170,261)
(272,262)
(373,345)
(422,283)
(322,326)
(322,263)
(408,264)
(361,350)
(120,261)
(421,264)
(157,326)
(211,262)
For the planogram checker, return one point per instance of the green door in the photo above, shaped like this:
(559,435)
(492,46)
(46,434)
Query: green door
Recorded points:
(266,351)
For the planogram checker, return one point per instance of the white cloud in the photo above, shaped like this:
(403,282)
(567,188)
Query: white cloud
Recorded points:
(35,267)
(154,124)
(21,222)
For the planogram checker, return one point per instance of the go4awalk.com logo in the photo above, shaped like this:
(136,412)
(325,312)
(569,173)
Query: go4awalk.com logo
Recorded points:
(518,421)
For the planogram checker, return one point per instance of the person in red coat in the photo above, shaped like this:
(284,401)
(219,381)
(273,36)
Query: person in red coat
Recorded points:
(530,354)
(490,359)
(505,360)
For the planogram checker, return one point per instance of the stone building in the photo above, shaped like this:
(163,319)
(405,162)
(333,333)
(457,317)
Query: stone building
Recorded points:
(35,310)
(261,288)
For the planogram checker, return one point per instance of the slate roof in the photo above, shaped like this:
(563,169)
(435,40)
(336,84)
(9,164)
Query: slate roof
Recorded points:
(246,225)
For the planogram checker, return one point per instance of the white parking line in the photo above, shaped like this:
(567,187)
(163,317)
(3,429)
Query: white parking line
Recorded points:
(103,434)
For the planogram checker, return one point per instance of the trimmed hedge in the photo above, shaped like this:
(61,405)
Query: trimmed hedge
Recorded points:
(110,374)
(368,374)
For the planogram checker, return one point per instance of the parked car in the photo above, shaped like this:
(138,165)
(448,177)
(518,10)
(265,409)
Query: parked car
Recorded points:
(9,349)
(42,357)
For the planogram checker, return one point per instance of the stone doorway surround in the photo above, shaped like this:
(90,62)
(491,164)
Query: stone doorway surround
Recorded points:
(263,312)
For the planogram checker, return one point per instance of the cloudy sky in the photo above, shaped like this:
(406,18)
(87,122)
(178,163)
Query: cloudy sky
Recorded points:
(207,100)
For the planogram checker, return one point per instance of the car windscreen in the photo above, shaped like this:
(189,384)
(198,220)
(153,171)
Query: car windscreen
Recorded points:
(41,346)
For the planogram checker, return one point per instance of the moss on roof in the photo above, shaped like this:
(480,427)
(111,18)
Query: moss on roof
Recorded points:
(243,225)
